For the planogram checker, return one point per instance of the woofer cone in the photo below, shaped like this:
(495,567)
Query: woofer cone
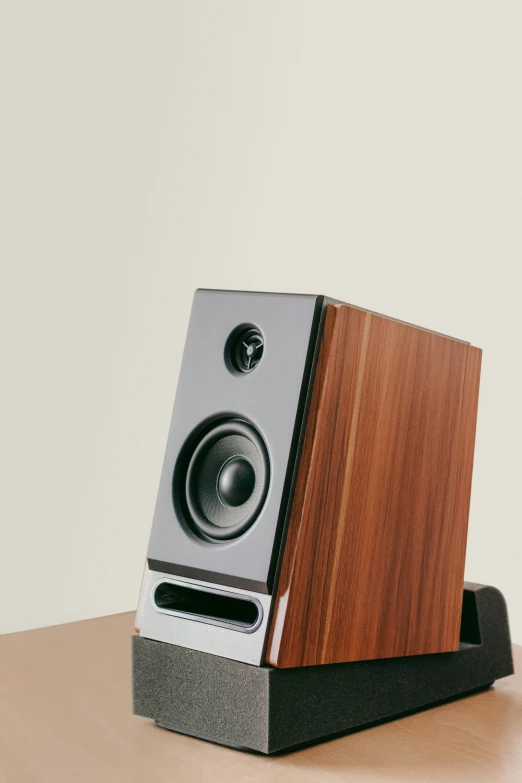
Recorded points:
(226,480)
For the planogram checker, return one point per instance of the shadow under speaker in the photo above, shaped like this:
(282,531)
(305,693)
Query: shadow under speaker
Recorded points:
(314,498)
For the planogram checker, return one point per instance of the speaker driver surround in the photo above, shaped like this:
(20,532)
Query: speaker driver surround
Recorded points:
(226,480)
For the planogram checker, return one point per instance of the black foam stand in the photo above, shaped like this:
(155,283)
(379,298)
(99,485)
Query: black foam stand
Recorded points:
(267,710)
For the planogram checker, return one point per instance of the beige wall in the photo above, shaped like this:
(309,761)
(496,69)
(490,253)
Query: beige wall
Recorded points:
(371,151)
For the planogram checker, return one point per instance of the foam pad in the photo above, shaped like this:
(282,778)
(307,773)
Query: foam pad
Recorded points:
(268,710)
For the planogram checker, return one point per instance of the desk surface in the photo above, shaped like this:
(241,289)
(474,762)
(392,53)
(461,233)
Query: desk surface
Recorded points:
(65,715)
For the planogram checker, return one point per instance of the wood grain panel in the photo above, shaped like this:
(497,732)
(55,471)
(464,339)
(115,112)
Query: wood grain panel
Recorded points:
(373,565)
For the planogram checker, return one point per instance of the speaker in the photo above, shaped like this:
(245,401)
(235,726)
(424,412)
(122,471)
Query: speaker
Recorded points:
(314,498)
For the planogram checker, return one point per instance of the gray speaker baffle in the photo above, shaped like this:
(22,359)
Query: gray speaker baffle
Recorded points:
(269,710)
(247,368)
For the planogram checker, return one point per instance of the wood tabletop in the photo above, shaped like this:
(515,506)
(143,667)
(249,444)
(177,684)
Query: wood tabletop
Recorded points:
(65,716)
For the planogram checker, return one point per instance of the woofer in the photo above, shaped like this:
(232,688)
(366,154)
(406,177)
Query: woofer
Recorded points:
(223,479)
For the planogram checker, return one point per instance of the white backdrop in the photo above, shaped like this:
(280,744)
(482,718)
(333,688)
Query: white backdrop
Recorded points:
(370,151)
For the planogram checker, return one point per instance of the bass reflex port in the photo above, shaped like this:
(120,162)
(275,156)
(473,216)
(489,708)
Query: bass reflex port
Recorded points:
(205,605)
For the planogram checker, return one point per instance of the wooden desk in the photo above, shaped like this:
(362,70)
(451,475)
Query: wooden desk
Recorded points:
(65,717)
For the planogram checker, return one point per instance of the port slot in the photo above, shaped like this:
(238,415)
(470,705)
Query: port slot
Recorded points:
(205,605)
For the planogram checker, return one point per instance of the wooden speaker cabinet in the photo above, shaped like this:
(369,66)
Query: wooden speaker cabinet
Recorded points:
(314,499)
(373,563)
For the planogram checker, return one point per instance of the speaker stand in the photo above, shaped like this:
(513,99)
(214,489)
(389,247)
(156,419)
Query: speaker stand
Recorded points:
(269,710)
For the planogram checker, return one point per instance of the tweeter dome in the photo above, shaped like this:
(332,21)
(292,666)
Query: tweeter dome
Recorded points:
(314,497)
(244,348)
